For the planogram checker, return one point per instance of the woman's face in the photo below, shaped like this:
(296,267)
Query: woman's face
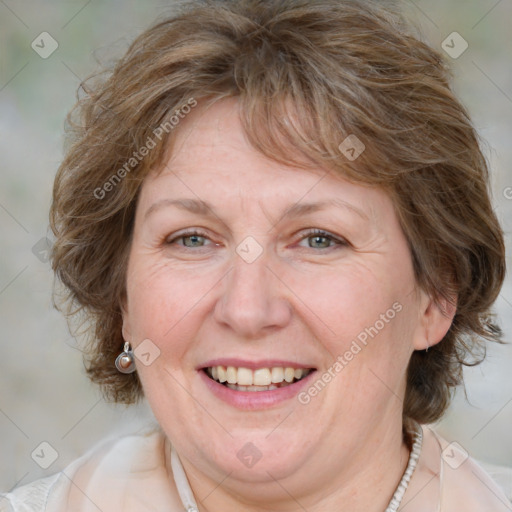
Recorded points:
(245,282)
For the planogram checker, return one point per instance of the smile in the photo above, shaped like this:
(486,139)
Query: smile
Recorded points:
(260,379)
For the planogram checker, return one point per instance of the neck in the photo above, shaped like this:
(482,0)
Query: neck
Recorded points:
(365,480)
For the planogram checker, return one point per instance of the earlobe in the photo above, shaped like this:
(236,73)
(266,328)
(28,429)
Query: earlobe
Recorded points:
(436,320)
(126,331)
(126,328)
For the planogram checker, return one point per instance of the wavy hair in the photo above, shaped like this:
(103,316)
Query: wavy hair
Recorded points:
(307,74)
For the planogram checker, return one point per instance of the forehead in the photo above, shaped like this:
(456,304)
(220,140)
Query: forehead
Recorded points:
(212,163)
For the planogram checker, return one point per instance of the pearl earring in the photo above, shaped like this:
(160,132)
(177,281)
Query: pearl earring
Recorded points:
(125,361)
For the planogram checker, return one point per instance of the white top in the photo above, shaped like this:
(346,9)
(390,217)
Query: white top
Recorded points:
(135,474)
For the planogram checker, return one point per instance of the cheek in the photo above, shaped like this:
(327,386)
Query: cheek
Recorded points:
(346,299)
(160,297)
(364,315)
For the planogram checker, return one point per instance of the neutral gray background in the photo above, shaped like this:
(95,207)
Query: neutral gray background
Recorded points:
(44,395)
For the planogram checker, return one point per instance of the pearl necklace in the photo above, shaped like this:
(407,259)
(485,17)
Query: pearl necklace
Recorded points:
(417,435)
(190,505)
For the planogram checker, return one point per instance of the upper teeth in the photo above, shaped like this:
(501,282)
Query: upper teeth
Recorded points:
(260,377)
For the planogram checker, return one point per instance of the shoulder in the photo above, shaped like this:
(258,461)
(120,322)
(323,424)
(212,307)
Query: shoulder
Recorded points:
(118,474)
(465,485)
(502,475)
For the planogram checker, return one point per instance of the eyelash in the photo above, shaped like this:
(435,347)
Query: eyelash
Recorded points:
(309,234)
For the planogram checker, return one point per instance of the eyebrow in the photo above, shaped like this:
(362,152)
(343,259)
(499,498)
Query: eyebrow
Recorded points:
(200,207)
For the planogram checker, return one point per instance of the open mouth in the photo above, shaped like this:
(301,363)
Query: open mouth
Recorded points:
(262,379)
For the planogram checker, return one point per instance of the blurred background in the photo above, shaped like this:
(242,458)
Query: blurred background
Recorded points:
(46,49)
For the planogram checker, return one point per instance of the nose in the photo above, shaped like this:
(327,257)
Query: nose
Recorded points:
(254,300)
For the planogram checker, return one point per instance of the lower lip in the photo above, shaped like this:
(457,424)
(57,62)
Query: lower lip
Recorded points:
(252,400)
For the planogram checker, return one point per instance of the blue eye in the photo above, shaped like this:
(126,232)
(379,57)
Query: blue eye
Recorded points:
(319,239)
(194,239)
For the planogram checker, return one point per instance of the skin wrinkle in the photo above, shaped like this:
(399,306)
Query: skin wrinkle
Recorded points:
(436,238)
(250,314)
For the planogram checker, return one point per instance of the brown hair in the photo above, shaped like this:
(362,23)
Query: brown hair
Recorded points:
(307,75)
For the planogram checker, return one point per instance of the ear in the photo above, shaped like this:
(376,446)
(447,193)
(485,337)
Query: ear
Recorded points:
(435,320)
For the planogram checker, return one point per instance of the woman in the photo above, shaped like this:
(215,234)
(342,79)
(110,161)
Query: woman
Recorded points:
(275,216)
